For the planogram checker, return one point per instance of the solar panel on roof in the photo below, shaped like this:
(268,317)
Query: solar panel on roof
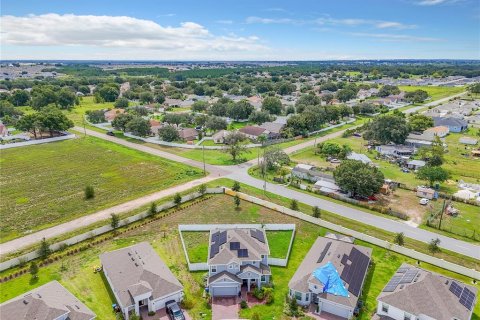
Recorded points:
(242,253)
(393,283)
(324,252)
(214,249)
(354,273)
(222,238)
(409,276)
(403,269)
(467,298)
(257,234)
(455,289)
(234,245)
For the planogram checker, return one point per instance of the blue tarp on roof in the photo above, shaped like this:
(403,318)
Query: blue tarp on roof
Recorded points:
(332,283)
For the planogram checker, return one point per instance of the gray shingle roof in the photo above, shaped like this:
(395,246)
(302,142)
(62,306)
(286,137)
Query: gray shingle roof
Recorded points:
(428,295)
(47,302)
(449,121)
(138,269)
(336,250)
(226,256)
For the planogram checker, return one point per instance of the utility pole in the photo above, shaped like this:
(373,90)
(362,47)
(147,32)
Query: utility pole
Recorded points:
(441,215)
(315,146)
(203,155)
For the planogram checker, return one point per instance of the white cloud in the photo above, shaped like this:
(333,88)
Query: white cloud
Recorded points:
(435,2)
(327,20)
(224,21)
(395,37)
(117,32)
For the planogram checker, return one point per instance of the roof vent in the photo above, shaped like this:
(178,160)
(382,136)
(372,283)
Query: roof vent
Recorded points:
(133,259)
(129,253)
(402,286)
(77,307)
(25,302)
(446,282)
(338,256)
(136,264)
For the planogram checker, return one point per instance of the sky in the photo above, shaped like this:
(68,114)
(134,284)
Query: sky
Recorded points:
(239,30)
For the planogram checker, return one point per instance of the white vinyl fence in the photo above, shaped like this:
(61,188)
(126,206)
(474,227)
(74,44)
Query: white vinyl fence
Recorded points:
(67,136)
(203,266)
(101,230)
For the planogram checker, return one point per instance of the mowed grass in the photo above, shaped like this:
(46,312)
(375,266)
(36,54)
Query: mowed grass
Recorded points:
(44,185)
(278,242)
(434,92)
(78,277)
(196,243)
(87,103)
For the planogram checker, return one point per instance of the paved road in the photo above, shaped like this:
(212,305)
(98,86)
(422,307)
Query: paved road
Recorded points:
(433,103)
(240,173)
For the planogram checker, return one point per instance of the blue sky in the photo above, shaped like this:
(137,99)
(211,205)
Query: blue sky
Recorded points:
(240,30)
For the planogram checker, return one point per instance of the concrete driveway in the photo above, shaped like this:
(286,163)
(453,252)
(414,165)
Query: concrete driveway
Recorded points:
(225,308)
(160,315)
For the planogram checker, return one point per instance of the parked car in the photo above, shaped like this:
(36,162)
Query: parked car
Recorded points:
(424,201)
(173,310)
(405,170)
(110,133)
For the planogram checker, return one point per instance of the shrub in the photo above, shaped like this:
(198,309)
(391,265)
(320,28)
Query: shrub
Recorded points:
(151,313)
(243,304)
(236,186)
(255,316)
(89,192)
(294,205)
(177,199)
(153,209)
(187,304)
(258,293)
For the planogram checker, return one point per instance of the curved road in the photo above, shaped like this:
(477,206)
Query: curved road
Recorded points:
(240,173)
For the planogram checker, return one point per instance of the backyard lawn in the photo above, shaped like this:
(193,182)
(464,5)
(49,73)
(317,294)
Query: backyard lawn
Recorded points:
(86,104)
(44,185)
(76,274)
(278,242)
(196,243)
(435,92)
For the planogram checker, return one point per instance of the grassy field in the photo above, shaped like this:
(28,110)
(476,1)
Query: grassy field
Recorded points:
(278,242)
(44,185)
(435,92)
(86,104)
(76,274)
(196,243)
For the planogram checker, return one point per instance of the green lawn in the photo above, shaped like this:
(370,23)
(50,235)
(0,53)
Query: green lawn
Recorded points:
(278,242)
(435,92)
(78,277)
(196,243)
(44,185)
(87,103)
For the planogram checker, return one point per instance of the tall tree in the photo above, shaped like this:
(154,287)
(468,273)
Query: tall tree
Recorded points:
(235,145)
(433,174)
(387,128)
(138,126)
(358,178)
(272,105)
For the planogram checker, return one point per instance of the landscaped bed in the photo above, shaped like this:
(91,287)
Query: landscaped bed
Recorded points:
(44,185)
(76,272)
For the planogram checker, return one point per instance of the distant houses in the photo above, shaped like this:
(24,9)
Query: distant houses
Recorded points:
(48,302)
(414,293)
(453,124)
(140,279)
(331,276)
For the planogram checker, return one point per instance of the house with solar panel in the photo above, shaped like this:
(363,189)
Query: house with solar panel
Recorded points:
(417,294)
(237,258)
(330,278)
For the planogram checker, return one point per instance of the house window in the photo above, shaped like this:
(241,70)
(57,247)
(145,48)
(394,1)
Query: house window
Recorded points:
(385,308)
(407,316)
(214,269)
(263,279)
(230,266)
(307,296)
(298,295)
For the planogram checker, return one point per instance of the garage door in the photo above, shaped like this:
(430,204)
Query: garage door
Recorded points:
(334,309)
(224,291)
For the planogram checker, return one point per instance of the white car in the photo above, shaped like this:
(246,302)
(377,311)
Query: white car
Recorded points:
(424,201)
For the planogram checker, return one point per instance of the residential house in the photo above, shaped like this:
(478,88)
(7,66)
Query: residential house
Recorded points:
(187,134)
(326,186)
(253,132)
(476,153)
(310,173)
(468,140)
(414,293)
(416,164)
(424,139)
(331,277)
(3,130)
(396,150)
(428,193)
(237,257)
(140,279)
(474,120)
(453,124)
(255,101)
(359,157)
(48,302)
(154,126)
(273,129)
(440,131)
(219,136)
(110,115)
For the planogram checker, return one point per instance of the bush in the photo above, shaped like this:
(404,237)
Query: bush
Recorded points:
(243,304)
(236,186)
(89,192)
(294,205)
(177,199)
(151,313)
(187,304)
(258,293)
(255,316)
